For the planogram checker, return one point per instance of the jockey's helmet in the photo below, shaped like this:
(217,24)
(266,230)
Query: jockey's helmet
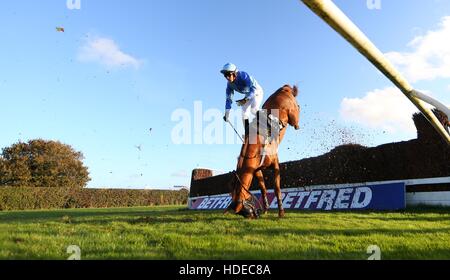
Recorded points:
(229,67)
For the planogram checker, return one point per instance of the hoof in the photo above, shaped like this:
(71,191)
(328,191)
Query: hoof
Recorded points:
(281,214)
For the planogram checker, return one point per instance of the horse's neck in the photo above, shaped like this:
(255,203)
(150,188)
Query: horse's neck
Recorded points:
(250,150)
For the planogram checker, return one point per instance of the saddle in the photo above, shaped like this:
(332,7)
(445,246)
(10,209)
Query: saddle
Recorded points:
(267,125)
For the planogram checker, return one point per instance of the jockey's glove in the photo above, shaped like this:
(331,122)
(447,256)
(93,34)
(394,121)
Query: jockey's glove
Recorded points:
(227,116)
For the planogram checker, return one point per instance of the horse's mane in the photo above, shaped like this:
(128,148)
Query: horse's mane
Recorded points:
(293,90)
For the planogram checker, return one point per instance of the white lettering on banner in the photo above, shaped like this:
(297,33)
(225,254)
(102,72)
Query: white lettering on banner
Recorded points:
(225,203)
(217,202)
(287,201)
(339,199)
(313,197)
(213,202)
(202,204)
(356,204)
(343,195)
(328,198)
(208,203)
(274,203)
(301,197)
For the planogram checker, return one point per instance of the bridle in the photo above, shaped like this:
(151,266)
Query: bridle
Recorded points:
(249,204)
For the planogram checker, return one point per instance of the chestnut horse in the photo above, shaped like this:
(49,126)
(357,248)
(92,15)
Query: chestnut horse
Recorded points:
(260,152)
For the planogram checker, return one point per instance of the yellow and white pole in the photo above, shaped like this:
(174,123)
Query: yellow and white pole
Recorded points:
(332,15)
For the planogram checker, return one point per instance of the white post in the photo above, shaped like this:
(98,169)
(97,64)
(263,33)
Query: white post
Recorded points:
(332,15)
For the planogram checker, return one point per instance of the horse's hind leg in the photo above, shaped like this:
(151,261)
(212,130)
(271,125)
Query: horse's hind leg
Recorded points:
(259,175)
(277,180)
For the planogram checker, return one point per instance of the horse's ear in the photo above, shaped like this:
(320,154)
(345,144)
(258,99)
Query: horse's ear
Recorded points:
(295,91)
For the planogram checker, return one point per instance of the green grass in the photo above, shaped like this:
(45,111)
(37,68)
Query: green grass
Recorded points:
(176,233)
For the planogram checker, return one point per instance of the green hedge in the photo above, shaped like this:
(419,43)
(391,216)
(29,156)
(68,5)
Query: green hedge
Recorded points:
(24,198)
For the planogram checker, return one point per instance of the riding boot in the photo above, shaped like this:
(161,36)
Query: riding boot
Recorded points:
(247,127)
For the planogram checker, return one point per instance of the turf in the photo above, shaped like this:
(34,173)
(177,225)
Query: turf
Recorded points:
(175,233)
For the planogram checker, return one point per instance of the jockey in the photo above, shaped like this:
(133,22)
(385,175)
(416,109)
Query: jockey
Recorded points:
(243,83)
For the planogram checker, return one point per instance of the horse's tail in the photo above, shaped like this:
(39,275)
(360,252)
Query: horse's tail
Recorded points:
(295,91)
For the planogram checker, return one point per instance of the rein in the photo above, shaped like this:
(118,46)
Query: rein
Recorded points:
(251,194)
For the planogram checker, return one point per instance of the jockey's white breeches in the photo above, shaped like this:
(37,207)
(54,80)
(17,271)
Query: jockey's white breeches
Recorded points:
(252,106)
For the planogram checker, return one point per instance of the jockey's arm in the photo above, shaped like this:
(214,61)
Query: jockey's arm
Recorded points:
(229,98)
(250,84)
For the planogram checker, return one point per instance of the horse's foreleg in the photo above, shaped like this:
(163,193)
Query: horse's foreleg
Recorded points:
(278,188)
(259,175)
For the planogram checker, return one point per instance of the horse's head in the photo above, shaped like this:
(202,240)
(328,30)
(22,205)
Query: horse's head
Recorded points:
(294,109)
(242,201)
(284,100)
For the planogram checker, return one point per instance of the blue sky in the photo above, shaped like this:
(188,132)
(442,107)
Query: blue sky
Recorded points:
(109,84)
